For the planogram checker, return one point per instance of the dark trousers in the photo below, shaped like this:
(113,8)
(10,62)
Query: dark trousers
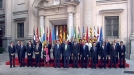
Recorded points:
(18,53)
(22,61)
(84,60)
(66,61)
(49,55)
(122,61)
(37,59)
(103,61)
(75,60)
(30,60)
(63,58)
(94,61)
(113,60)
(12,59)
(57,60)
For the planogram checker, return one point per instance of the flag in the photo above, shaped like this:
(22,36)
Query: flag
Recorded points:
(53,34)
(91,35)
(34,34)
(64,33)
(67,34)
(60,37)
(57,36)
(98,33)
(95,34)
(83,32)
(74,32)
(87,34)
(101,36)
(44,37)
(78,33)
(37,34)
(47,34)
(50,36)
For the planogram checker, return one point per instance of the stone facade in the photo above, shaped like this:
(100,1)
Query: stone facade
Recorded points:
(72,13)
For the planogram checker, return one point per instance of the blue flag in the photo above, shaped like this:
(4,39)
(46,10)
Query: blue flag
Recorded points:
(101,36)
(53,34)
(44,37)
(83,31)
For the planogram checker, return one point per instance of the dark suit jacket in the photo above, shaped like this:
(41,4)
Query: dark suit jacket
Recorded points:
(38,50)
(93,53)
(112,51)
(122,50)
(67,51)
(71,46)
(85,51)
(108,47)
(30,49)
(11,50)
(18,47)
(56,49)
(49,47)
(22,51)
(76,49)
(62,48)
(103,51)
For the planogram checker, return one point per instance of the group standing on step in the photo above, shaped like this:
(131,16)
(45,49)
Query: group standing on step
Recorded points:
(71,51)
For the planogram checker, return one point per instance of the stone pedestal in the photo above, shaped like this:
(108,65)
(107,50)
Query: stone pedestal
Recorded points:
(132,48)
(6,43)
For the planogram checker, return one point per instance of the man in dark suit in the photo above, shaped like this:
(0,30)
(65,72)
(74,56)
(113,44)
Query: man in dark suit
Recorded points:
(94,55)
(18,50)
(113,54)
(103,53)
(117,45)
(11,50)
(30,53)
(66,53)
(37,50)
(49,49)
(75,53)
(108,50)
(57,51)
(71,48)
(62,50)
(122,54)
(22,55)
(98,50)
(84,55)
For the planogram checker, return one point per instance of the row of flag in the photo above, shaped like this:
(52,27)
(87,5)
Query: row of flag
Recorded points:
(51,34)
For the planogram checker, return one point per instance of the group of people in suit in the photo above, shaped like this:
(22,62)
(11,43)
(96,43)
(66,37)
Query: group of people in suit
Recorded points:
(71,52)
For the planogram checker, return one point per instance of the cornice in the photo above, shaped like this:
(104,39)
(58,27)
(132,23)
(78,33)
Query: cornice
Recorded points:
(105,2)
(20,12)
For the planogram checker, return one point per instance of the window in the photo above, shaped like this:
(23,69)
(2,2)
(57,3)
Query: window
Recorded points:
(20,30)
(1,3)
(56,2)
(112,26)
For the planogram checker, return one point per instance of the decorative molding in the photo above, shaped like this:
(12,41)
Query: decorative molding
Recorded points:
(104,2)
(20,19)
(20,2)
(20,12)
(111,11)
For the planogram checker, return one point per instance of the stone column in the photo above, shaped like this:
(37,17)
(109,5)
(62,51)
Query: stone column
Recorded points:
(70,24)
(8,24)
(132,35)
(42,23)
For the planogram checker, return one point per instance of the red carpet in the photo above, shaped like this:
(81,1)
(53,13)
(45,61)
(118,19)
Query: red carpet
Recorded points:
(52,63)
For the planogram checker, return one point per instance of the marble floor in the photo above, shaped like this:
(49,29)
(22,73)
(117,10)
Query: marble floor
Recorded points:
(5,70)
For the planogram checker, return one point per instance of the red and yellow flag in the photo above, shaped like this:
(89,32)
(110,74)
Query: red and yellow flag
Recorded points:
(60,37)
(64,33)
(90,34)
